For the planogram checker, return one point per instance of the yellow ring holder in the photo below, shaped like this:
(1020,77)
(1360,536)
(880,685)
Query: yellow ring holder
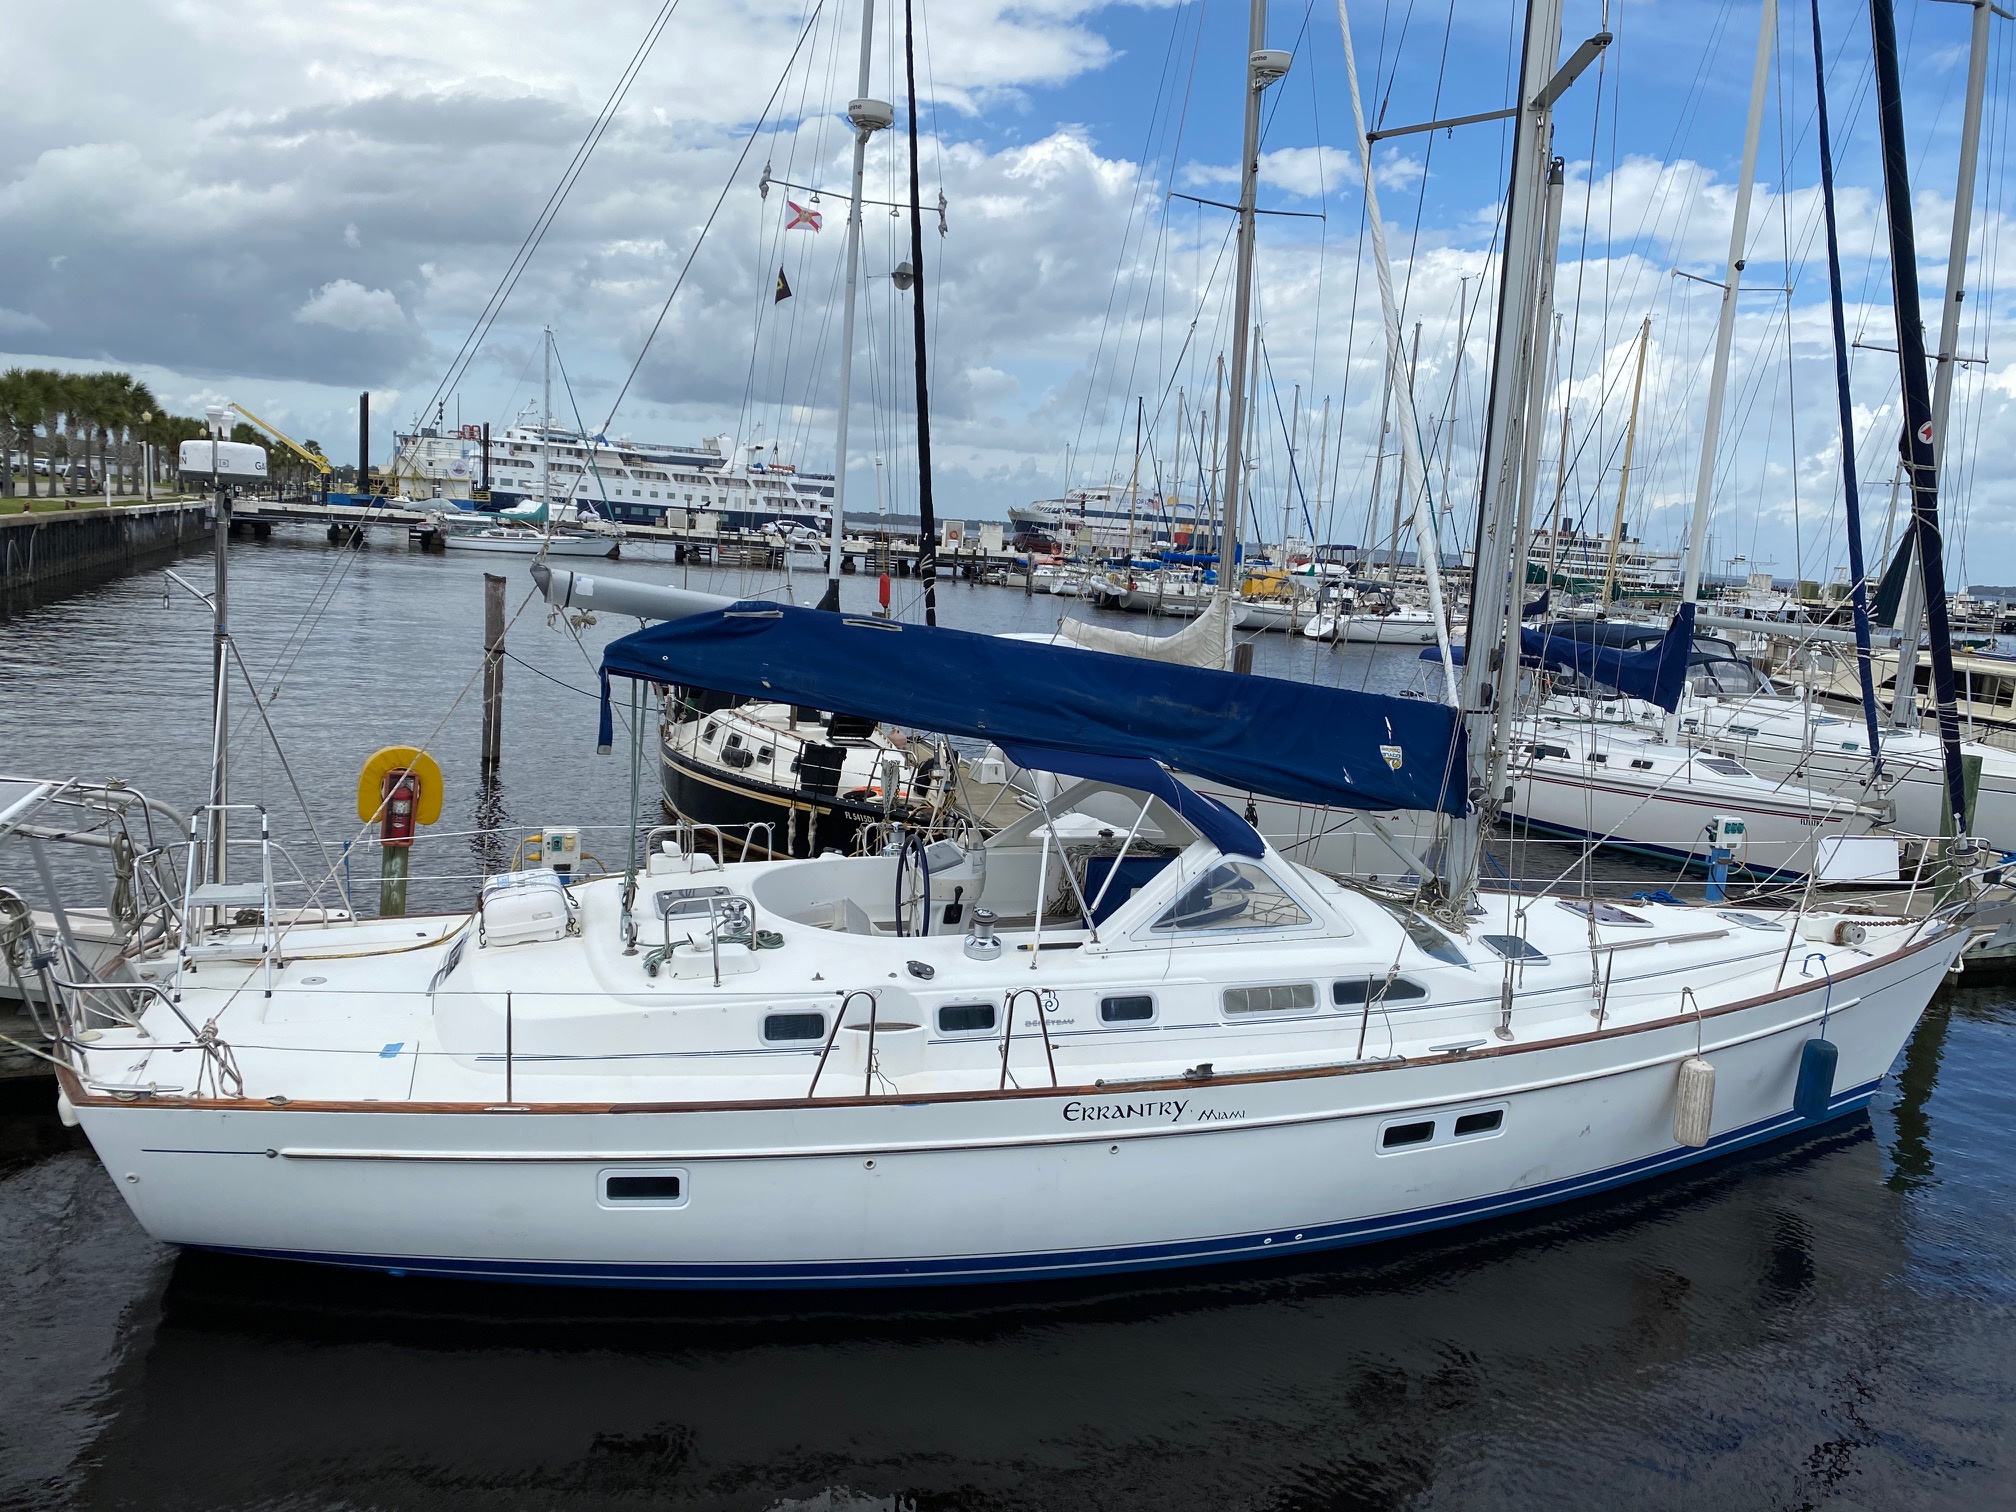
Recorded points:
(392,760)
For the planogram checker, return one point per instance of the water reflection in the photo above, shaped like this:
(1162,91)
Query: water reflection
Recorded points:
(1917,1075)
(1371,1382)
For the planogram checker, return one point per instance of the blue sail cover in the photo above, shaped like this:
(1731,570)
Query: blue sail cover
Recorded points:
(1256,734)
(1656,674)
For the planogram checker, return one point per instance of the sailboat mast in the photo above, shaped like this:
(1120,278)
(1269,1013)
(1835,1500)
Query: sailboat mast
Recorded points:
(1904,699)
(1496,543)
(1536,375)
(927,520)
(1918,425)
(1400,483)
(1858,586)
(546,433)
(1725,328)
(867,117)
(1624,477)
(1263,67)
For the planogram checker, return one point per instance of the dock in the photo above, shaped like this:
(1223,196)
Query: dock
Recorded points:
(966,551)
(42,547)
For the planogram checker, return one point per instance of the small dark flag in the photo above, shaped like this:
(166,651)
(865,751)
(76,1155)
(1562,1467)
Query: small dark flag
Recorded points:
(783,288)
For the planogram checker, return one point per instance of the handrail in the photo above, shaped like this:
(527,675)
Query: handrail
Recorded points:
(214,1047)
(834,1033)
(1008,1035)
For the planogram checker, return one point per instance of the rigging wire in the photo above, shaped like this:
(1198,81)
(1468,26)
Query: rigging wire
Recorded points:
(458,366)
(701,240)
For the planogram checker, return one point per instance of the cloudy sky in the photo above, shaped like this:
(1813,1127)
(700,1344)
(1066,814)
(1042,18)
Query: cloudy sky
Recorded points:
(285,204)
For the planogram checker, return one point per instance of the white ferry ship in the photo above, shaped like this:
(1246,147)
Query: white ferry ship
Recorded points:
(1578,562)
(1113,517)
(632,482)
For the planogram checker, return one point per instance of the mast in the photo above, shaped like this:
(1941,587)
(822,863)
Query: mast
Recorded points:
(1911,609)
(1918,424)
(1537,371)
(1624,477)
(1263,67)
(1496,543)
(220,648)
(1858,586)
(1400,483)
(867,117)
(927,520)
(1725,329)
(546,435)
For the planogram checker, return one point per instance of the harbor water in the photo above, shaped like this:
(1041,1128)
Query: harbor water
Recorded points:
(1829,1324)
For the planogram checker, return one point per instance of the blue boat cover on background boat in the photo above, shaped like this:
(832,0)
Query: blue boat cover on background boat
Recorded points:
(1656,674)
(1200,811)
(1256,734)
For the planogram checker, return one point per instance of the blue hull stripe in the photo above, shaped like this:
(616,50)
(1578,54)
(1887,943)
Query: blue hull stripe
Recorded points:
(998,1269)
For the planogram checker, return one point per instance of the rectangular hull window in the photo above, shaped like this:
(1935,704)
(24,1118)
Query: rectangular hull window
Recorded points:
(966,1018)
(1399,1136)
(790,1028)
(1126,1010)
(644,1188)
(1281,997)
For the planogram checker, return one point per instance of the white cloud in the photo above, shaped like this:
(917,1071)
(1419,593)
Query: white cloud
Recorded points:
(350,236)
(20,322)
(347,306)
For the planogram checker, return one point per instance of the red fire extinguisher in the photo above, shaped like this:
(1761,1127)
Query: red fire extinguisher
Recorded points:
(395,826)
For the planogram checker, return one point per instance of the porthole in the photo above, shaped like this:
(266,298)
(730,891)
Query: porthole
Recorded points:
(1488,1122)
(650,1187)
(1137,1008)
(1399,1136)
(1351,992)
(1279,997)
(966,1018)
(792,1028)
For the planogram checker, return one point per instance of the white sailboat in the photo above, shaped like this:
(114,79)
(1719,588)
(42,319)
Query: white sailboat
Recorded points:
(544,529)
(1078,1048)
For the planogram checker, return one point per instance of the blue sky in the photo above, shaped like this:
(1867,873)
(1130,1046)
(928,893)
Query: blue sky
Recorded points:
(288,204)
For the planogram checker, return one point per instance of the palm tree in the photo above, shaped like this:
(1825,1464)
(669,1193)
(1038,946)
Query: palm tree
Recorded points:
(46,389)
(141,410)
(17,413)
(73,400)
(104,411)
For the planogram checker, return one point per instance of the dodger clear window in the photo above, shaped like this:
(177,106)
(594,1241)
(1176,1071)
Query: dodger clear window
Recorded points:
(1232,895)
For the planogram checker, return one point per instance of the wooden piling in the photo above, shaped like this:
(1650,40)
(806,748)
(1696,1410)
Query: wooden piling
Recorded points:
(1242,657)
(493,671)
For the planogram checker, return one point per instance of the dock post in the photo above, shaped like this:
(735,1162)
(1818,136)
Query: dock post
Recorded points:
(1242,657)
(493,671)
